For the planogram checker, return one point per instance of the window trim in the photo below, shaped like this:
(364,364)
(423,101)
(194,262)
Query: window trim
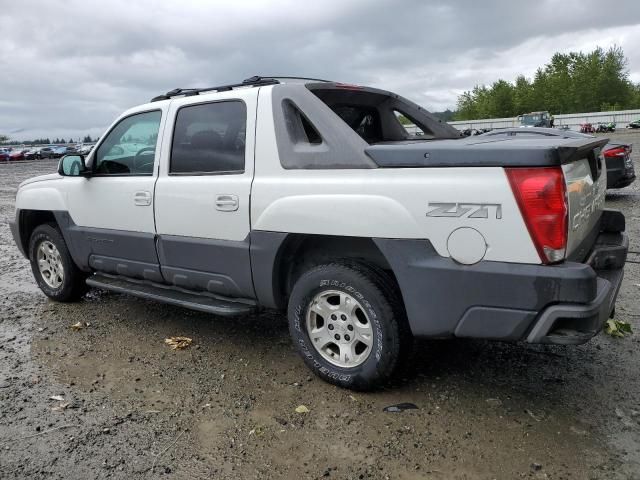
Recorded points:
(95,149)
(204,174)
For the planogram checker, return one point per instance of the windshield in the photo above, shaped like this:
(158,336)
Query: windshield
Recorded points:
(531,119)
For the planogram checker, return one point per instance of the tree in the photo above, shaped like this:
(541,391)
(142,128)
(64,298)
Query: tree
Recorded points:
(500,99)
(466,108)
(569,83)
(523,99)
(445,116)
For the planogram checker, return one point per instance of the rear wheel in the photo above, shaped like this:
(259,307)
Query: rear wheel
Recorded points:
(56,274)
(348,326)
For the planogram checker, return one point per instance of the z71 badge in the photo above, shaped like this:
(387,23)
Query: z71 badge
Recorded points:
(467,210)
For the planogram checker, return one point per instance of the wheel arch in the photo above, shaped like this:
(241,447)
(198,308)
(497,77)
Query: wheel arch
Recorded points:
(291,254)
(28,220)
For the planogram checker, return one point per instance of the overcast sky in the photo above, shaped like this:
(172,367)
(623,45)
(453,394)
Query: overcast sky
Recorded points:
(68,68)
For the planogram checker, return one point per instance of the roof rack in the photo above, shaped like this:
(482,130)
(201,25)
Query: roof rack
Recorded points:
(282,77)
(255,81)
(187,92)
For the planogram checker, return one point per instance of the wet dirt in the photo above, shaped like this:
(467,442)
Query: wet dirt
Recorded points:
(127,406)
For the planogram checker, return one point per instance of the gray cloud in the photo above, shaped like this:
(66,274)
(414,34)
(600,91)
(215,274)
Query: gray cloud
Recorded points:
(68,68)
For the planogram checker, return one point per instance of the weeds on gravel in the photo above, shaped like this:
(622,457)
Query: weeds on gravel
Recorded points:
(617,328)
(178,343)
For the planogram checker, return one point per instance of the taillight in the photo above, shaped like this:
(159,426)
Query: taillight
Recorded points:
(541,196)
(616,152)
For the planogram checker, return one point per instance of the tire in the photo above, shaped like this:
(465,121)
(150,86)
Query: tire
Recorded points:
(60,279)
(369,337)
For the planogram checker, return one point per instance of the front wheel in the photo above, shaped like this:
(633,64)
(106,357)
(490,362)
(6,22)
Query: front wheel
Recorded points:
(348,325)
(52,266)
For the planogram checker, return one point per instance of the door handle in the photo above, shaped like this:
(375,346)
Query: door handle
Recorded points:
(142,198)
(227,203)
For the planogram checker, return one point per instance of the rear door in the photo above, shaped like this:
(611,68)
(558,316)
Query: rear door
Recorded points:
(203,191)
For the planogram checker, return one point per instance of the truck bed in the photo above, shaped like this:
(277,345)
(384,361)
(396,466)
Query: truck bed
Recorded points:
(482,152)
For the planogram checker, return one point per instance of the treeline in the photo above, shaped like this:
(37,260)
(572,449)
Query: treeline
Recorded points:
(570,83)
(5,140)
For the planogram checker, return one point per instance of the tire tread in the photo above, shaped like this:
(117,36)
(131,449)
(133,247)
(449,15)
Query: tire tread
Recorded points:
(392,311)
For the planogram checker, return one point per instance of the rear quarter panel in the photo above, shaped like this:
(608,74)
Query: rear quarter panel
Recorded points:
(393,203)
(382,203)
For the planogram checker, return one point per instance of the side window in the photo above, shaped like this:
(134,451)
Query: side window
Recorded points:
(209,138)
(130,147)
(411,128)
(300,129)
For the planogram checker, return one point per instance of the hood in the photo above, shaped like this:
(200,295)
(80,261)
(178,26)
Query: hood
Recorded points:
(41,178)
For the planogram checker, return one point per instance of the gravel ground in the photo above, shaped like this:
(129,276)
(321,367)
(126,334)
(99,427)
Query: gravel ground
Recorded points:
(129,407)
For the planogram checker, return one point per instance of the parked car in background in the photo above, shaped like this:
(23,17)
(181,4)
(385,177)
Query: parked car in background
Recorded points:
(61,151)
(634,124)
(46,152)
(18,154)
(620,169)
(85,148)
(4,155)
(606,127)
(536,119)
(32,153)
(58,151)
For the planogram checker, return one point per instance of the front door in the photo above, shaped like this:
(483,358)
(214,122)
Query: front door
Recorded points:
(112,210)
(202,194)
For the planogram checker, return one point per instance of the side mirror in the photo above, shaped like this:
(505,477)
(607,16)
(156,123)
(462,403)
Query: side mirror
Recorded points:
(72,166)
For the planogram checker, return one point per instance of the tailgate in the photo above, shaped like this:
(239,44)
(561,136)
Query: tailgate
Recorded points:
(586,180)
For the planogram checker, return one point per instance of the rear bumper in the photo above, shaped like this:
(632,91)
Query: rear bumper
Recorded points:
(566,303)
(621,181)
(568,323)
(619,173)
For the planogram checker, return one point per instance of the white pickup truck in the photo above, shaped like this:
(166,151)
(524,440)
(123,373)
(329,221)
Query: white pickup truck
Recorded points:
(310,196)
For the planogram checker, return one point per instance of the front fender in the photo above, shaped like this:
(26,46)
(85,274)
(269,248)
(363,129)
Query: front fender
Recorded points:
(38,197)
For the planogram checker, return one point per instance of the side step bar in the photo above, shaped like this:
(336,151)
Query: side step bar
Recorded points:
(163,293)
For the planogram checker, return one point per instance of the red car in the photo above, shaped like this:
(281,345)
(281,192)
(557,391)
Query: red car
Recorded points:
(4,156)
(17,155)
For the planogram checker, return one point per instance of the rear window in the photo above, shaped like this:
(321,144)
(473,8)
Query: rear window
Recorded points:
(379,116)
(364,120)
